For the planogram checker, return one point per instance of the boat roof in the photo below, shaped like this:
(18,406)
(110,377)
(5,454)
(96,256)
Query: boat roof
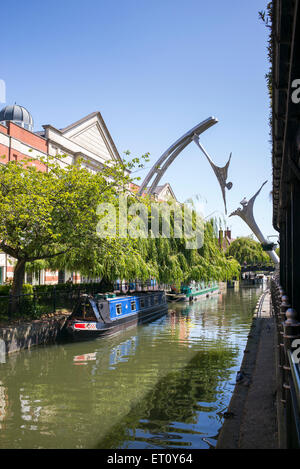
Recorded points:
(134,295)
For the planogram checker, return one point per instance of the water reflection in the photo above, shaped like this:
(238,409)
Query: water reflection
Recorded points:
(3,404)
(159,385)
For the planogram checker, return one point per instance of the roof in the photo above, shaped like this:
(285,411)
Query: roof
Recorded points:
(16,113)
(159,190)
(71,129)
(83,119)
(89,116)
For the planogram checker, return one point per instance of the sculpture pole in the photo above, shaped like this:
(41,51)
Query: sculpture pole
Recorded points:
(246,214)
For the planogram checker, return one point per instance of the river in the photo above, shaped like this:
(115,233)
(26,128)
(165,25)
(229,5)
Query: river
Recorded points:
(160,385)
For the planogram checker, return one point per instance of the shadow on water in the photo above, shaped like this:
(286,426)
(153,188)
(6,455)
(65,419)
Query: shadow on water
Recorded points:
(168,415)
(160,385)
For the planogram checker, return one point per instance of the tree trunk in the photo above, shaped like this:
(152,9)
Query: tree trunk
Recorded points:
(19,274)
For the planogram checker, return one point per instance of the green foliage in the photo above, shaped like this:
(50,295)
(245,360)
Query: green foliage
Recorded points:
(4,290)
(165,258)
(50,219)
(247,250)
(267,18)
(47,214)
(27,289)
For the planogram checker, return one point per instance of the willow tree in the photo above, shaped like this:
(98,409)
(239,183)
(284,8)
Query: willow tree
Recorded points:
(247,250)
(167,255)
(52,216)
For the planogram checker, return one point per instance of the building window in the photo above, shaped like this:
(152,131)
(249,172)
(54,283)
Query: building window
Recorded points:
(61,276)
(133,306)
(118,309)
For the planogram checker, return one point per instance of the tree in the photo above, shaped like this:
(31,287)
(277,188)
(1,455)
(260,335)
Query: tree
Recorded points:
(167,259)
(51,218)
(48,214)
(247,250)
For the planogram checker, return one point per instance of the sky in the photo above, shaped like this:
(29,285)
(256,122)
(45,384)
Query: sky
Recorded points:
(154,69)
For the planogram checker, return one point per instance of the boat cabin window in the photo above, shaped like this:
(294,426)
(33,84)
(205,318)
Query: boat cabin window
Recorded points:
(119,308)
(133,306)
(142,303)
(156,300)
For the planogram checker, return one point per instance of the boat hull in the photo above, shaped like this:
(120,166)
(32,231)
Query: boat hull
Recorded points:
(192,296)
(113,327)
(201,295)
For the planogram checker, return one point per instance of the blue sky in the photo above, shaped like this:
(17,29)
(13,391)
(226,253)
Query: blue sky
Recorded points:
(154,69)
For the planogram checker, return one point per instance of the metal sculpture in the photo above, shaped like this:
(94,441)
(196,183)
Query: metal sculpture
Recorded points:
(246,214)
(172,152)
(162,164)
(220,172)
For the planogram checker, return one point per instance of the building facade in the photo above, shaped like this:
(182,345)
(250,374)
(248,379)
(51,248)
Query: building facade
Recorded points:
(87,139)
(285,118)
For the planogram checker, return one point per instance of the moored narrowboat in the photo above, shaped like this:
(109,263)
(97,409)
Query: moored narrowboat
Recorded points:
(194,291)
(102,314)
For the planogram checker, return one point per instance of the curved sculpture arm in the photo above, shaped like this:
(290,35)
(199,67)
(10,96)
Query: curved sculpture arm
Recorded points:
(252,200)
(246,214)
(168,162)
(179,145)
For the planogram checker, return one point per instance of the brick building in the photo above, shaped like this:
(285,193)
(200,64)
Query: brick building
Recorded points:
(87,138)
(225,239)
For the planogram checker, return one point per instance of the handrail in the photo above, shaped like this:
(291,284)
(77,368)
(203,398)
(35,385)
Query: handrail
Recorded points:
(294,383)
(295,371)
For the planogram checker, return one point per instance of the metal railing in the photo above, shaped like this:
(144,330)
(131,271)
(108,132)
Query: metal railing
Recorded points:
(56,298)
(288,371)
(38,303)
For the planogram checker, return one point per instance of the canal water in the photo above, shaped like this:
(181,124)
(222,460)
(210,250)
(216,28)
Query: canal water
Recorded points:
(160,385)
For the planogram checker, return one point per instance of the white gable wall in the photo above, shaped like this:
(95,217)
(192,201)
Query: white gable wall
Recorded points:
(86,139)
(166,193)
(92,140)
(90,135)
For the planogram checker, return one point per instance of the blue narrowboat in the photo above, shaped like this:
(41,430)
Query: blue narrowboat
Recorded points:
(105,314)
